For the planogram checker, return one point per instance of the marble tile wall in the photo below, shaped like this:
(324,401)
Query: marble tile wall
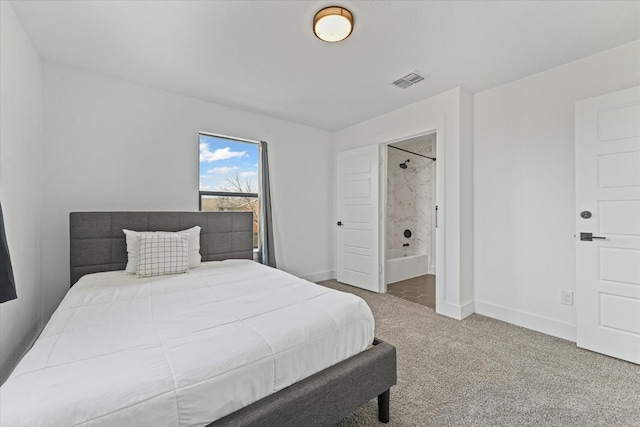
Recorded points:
(410,198)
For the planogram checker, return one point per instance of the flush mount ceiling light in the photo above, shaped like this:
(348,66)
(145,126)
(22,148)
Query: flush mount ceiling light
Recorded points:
(333,24)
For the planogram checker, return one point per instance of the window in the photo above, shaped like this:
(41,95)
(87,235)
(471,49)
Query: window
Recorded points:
(229,176)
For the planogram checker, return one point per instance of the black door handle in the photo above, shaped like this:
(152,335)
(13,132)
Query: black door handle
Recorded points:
(339,223)
(588,237)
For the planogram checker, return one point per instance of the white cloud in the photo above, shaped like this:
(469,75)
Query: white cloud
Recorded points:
(222,169)
(248,174)
(220,154)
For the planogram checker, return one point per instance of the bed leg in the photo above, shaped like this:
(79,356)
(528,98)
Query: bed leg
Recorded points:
(383,406)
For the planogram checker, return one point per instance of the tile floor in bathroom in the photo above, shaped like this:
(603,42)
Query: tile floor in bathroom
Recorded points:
(421,289)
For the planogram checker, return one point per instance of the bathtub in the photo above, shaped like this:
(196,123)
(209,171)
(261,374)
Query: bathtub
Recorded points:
(403,265)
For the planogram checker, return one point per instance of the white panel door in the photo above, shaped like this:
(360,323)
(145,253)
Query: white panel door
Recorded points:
(358,218)
(608,207)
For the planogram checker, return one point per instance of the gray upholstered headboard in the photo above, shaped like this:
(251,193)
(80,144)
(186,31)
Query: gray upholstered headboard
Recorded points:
(98,243)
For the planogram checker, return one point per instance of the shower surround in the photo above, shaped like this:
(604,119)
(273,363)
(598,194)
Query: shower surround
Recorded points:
(410,200)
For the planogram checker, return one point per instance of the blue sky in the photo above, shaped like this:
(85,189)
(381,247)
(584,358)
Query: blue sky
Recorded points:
(221,158)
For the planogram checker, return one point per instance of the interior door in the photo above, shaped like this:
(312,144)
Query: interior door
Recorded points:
(608,224)
(358,261)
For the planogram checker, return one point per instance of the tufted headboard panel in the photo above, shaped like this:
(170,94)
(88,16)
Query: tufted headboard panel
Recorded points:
(97,242)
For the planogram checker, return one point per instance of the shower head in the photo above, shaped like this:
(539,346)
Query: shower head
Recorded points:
(403,165)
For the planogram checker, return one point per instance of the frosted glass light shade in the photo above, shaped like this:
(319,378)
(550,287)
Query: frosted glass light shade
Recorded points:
(333,24)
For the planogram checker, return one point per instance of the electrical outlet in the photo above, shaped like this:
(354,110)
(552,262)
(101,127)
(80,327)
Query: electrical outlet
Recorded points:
(566,297)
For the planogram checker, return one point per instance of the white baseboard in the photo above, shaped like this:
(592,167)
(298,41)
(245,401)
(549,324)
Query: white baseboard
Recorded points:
(458,312)
(467,309)
(320,276)
(527,320)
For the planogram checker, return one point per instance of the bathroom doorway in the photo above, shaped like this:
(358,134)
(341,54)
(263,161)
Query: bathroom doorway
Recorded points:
(411,219)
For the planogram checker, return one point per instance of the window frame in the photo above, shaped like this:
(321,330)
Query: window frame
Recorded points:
(223,194)
(229,193)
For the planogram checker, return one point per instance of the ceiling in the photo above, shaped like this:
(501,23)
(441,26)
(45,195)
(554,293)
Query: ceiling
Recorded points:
(262,56)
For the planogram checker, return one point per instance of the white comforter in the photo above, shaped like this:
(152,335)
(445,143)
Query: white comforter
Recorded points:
(181,350)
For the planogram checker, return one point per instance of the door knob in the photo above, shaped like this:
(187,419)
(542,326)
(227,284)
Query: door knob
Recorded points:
(339,223)
(588,237)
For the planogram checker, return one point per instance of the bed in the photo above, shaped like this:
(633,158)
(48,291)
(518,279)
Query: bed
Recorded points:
(294,375)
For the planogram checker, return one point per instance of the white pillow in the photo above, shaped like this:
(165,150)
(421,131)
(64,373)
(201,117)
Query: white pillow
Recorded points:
(132,247)
(162,253)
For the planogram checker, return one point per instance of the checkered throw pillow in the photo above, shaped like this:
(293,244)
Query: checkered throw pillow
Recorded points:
(162,253)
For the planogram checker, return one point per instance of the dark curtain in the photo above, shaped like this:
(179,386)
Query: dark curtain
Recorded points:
(7,284)
(266,252)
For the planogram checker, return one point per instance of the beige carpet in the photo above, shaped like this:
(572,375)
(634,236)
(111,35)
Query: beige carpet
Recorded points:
(484,372)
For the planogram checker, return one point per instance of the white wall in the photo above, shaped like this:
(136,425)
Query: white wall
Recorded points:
(115,145)
(452,113)
(524,219)
(21,180)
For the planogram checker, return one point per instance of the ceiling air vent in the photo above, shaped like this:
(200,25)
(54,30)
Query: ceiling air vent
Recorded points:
(408,80)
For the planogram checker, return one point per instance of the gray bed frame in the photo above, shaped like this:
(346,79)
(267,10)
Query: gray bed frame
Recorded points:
(97,244)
